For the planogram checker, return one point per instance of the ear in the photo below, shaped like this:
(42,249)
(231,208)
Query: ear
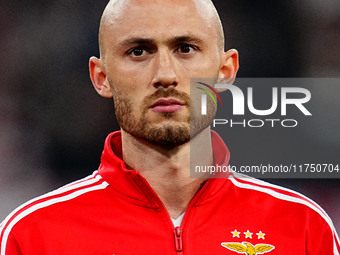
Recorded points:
(98,78)
(229,66)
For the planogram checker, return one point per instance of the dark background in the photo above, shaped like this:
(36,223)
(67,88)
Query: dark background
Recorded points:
(53,124)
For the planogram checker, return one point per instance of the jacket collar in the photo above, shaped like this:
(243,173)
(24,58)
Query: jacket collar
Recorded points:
(131,184)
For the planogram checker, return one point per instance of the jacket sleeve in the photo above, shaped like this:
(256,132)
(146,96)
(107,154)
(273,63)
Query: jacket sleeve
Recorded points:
(9,245)
(322,239)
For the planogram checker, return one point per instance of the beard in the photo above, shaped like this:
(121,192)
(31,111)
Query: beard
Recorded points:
(174,131)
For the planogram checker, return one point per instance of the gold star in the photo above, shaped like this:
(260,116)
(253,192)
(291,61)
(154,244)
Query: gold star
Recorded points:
(260,235)
(248,234)
(236,233)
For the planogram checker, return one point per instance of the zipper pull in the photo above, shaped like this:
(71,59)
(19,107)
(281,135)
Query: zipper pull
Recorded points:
(178,239)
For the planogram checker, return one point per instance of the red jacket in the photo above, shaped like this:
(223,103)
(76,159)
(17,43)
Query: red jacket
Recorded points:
(115,211)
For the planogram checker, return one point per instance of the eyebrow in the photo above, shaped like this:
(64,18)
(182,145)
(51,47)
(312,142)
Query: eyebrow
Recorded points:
(186,38)
(136,40)
(173,40)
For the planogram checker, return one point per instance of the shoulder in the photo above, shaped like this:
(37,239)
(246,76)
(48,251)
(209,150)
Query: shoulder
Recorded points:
(276,193)
(31,212)
(286,216)
(291,202)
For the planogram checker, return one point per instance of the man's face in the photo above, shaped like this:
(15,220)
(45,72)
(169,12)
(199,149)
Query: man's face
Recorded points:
(152,49)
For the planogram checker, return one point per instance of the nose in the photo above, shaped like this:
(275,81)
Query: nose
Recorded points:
(165,74)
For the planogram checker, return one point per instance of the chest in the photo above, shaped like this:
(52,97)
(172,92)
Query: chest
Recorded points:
(207,229)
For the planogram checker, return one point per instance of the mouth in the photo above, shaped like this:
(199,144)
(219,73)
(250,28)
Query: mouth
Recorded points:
(166,105)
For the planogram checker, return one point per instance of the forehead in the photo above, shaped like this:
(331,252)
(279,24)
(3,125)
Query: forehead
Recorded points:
(156,19)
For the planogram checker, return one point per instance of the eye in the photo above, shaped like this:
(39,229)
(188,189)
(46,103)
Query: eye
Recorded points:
(187,49)
(137,52)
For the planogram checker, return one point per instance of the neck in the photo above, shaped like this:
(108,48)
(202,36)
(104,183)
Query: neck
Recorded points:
(168,170)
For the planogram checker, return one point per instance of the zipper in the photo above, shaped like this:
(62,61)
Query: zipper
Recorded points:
(177,231)
(178,240)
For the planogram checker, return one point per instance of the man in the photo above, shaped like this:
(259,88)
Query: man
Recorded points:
(142,199)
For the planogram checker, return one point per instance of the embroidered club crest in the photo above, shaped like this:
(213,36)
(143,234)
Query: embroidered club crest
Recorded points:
(248,248)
